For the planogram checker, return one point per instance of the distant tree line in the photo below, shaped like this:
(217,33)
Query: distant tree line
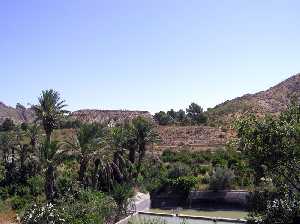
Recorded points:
(193,115)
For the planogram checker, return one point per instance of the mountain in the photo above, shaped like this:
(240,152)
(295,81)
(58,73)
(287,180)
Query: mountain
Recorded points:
(272,101)
(18,114)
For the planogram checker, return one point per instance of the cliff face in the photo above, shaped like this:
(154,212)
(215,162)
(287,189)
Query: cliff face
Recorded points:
(104,116)
(272,101)
(18,115)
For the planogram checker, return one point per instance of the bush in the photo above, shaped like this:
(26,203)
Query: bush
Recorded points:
(121,194)
(65,183)
(279,210)
(36,185)
(184,184)
(221,178)
(154,175)
(179,170)
(43,214)
(201,169)
(18,202)
(4,192)
(87,206)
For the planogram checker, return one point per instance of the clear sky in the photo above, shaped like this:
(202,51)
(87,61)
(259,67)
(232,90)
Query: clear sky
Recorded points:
(145,54)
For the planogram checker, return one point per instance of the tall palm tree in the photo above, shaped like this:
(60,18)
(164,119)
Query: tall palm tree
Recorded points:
(50,111)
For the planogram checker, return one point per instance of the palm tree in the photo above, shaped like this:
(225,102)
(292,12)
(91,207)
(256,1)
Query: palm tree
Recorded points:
(86,145)
(32,132)
(49,111)
(144,136)
(52,155)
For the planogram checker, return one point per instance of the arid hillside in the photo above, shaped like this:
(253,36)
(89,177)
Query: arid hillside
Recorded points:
(192,137)
(272,101)
(105,116)
(18,114)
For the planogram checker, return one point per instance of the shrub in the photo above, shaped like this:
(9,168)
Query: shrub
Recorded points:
(36,185)
(121,194)
(279,210)
(18,202)
(4,192)
(87,206)
(206,179)
(184,184)
(64,183)
(221,178)
(179,170)
(201,169)
(43,214)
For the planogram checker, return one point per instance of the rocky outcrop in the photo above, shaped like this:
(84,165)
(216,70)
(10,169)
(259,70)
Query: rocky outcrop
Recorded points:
(19,114)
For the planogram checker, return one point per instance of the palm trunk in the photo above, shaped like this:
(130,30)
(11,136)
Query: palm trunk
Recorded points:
(141,157)
(95,172)
(82,169)
(48,136)
(22,163)
(132,155)
(49,184)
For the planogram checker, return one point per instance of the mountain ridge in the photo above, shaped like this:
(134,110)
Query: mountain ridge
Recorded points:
(271,101)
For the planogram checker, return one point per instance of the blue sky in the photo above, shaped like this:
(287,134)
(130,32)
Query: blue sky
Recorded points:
(145,54)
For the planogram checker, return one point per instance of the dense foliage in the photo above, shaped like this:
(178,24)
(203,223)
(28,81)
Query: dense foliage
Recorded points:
(84,178)
(90,176)
(193,115)
(272,148)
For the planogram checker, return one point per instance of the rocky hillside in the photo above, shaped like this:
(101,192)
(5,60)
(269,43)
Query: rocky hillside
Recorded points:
(271,101)
(195,137)
(18,114)
(104,116)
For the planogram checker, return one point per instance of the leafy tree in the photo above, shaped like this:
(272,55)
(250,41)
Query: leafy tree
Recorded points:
(50,111)
(195,114)
(172,114)
(162,118)
(181,116)
(271,146)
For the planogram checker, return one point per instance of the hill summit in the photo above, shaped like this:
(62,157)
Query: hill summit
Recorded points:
(272,101)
